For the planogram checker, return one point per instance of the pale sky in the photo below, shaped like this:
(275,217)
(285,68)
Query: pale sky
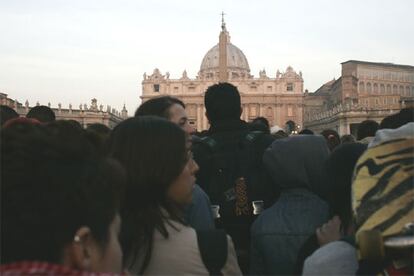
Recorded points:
(70,51)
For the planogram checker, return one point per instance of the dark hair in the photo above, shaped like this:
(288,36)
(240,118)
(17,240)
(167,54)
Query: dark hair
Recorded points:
(280,134)
(340,166)
(306,131)
(260,124)
(332,138)
(53,183)
(99,128)
(75,123)
(159,106)
(347,138)
(42,113)
(98,135)
(222,102)
(153,151)
(367,128)
(406,115)
(7,113)
(261,120)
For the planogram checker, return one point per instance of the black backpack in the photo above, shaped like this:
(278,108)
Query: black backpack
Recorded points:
(233,176)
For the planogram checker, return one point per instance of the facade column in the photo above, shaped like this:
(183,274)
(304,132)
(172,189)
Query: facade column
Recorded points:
(343,127)
(279,121)
(199,117)
(205,120)
(246,114)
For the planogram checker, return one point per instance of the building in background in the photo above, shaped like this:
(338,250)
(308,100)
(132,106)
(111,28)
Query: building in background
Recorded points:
(85,115)
(278,98)
(365,90)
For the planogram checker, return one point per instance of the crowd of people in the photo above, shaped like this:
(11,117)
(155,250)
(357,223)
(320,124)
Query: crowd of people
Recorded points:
(155,197)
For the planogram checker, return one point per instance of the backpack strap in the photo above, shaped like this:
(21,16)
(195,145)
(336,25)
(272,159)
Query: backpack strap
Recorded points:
(213,249)
(209,142)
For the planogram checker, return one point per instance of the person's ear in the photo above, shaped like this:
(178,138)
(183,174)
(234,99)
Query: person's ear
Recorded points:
(78,253)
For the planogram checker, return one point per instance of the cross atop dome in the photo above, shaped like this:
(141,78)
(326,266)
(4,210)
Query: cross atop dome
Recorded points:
(223,24)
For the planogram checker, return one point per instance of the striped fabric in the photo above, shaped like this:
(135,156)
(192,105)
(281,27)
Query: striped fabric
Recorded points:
(383,187)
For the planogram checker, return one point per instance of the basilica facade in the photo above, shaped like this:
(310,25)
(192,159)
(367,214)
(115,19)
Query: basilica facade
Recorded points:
(364,91)
(279,98)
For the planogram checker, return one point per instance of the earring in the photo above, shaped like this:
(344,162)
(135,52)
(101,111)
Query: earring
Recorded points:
(76,239)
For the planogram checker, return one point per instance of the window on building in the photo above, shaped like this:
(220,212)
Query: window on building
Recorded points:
(407,91)
(290,111)
(269,89)
(401,90)
(156,88)
(388,89)
(376,101)
(289,86)
(369,89)
(394,89)
(382,88)
(375,88)
(361,87)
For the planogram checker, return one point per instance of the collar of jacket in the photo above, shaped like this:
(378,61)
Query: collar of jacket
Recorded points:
(227,125)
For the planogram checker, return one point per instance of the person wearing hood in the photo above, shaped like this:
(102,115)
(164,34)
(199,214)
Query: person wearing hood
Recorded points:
(296,165)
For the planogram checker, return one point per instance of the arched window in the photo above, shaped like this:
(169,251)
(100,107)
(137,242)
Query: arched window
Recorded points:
(407,91)
(395,89)
(361,87)
(269,112)
(375,88)
(382,88)
(388,88)
(369,87)
(401,90)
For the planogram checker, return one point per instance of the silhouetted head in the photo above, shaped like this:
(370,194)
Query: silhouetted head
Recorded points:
(222,102)
(367,129)
(42,113)
(332,138)
(7,113)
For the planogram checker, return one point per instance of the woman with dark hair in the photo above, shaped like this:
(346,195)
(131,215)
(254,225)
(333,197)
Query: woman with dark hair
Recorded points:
(59,203)
(161,175)
(198,213)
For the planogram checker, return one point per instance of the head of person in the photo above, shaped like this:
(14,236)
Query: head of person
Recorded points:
(261,123)
(98,135)
(160,178)
(367,128)
(59,199)
(166,107)
(383,197)
(280,134)
(298,162)
(42,113)
(340,166)
(306,131)
(347,138)
(332,138)
(394,121)
(7,113)
(222,102)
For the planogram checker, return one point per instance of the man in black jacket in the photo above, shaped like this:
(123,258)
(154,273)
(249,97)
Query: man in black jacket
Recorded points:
(231,168)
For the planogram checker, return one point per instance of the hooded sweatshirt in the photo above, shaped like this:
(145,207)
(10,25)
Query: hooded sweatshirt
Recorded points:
(296,165)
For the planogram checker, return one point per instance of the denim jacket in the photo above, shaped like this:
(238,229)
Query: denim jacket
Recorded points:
(280,231)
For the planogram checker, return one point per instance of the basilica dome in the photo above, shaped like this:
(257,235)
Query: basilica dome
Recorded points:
(236,60)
